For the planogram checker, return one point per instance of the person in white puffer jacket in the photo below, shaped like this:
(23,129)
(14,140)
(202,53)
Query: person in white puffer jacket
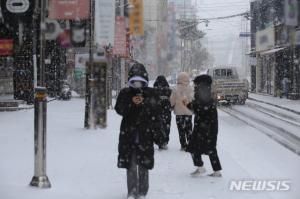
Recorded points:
(182,95)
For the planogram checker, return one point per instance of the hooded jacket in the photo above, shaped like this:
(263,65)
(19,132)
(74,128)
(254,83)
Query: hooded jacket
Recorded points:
(140,126)
(204,136)
(162,88)
(182,92)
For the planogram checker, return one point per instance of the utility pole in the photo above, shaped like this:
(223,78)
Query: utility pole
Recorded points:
(89,108)
(40,178)
(122,63)
(91,64)
(34,42)
(295,68)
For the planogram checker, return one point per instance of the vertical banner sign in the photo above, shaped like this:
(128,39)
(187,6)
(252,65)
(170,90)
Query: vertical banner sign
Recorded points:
(291,12)
(104,22)
(136,18)
(120,37)
(69,9)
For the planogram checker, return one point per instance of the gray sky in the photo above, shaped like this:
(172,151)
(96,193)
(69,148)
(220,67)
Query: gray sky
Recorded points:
(222,37)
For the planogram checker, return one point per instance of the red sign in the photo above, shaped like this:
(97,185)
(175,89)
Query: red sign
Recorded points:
(69,9)
(120,37)
(6,47)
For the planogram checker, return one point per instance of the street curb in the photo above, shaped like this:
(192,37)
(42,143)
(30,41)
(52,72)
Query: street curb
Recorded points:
(284,108)
(272,136)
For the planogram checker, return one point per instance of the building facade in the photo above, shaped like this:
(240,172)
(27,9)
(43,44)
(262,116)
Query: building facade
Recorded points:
(274,44)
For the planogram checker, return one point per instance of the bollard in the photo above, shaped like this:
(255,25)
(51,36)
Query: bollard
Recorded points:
(40,178)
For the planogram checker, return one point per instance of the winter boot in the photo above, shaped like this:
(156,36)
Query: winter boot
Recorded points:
(163,147)
(217,174)
(199,171)
(183,148)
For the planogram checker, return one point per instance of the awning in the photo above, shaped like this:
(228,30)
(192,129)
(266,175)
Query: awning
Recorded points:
(253,53)
(268,52)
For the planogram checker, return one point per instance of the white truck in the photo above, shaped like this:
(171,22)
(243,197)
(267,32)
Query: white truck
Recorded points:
(227,87)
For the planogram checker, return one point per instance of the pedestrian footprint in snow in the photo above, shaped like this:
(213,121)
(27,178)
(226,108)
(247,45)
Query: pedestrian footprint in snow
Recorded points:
(203,140)
(140,128)
(162,88)
(181,95)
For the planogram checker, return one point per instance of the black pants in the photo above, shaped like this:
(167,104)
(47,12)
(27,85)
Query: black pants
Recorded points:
(213,157)
(137,178)
(185,127)
(167,124)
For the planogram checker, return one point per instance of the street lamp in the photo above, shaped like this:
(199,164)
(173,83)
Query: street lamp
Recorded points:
(40,178)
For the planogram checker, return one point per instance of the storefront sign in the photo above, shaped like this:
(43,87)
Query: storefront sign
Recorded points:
(69,9)
(81,60)
(79,73)
(17,6)
(245,34)
(120,37)
(291,12)
(104,22)
(13,10)
(265,39)
(6,47)
(78,33)
(53,29)
(136,18)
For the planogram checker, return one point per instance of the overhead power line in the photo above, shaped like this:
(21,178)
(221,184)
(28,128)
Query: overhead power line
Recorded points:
(245,14)
(183,25)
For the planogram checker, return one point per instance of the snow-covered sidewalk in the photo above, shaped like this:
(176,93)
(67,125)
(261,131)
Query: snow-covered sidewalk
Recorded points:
(82,163)
(292,105)
(6,97)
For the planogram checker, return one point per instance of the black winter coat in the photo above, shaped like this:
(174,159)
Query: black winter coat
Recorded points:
(164,96)
(204,136)
(140,127)
(164,92)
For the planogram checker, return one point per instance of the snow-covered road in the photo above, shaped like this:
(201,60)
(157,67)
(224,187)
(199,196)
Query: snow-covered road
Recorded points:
(81,164)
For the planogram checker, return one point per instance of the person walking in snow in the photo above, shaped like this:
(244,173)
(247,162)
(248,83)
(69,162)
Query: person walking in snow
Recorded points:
(163,90)
(286,86)
(203,140)
(140,128)
(181,95)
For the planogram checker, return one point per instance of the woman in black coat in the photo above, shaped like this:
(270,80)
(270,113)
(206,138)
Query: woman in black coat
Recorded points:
(163,90)
(204,137)
(140,128)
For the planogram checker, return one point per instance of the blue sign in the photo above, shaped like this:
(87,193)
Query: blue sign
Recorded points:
(245,34)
